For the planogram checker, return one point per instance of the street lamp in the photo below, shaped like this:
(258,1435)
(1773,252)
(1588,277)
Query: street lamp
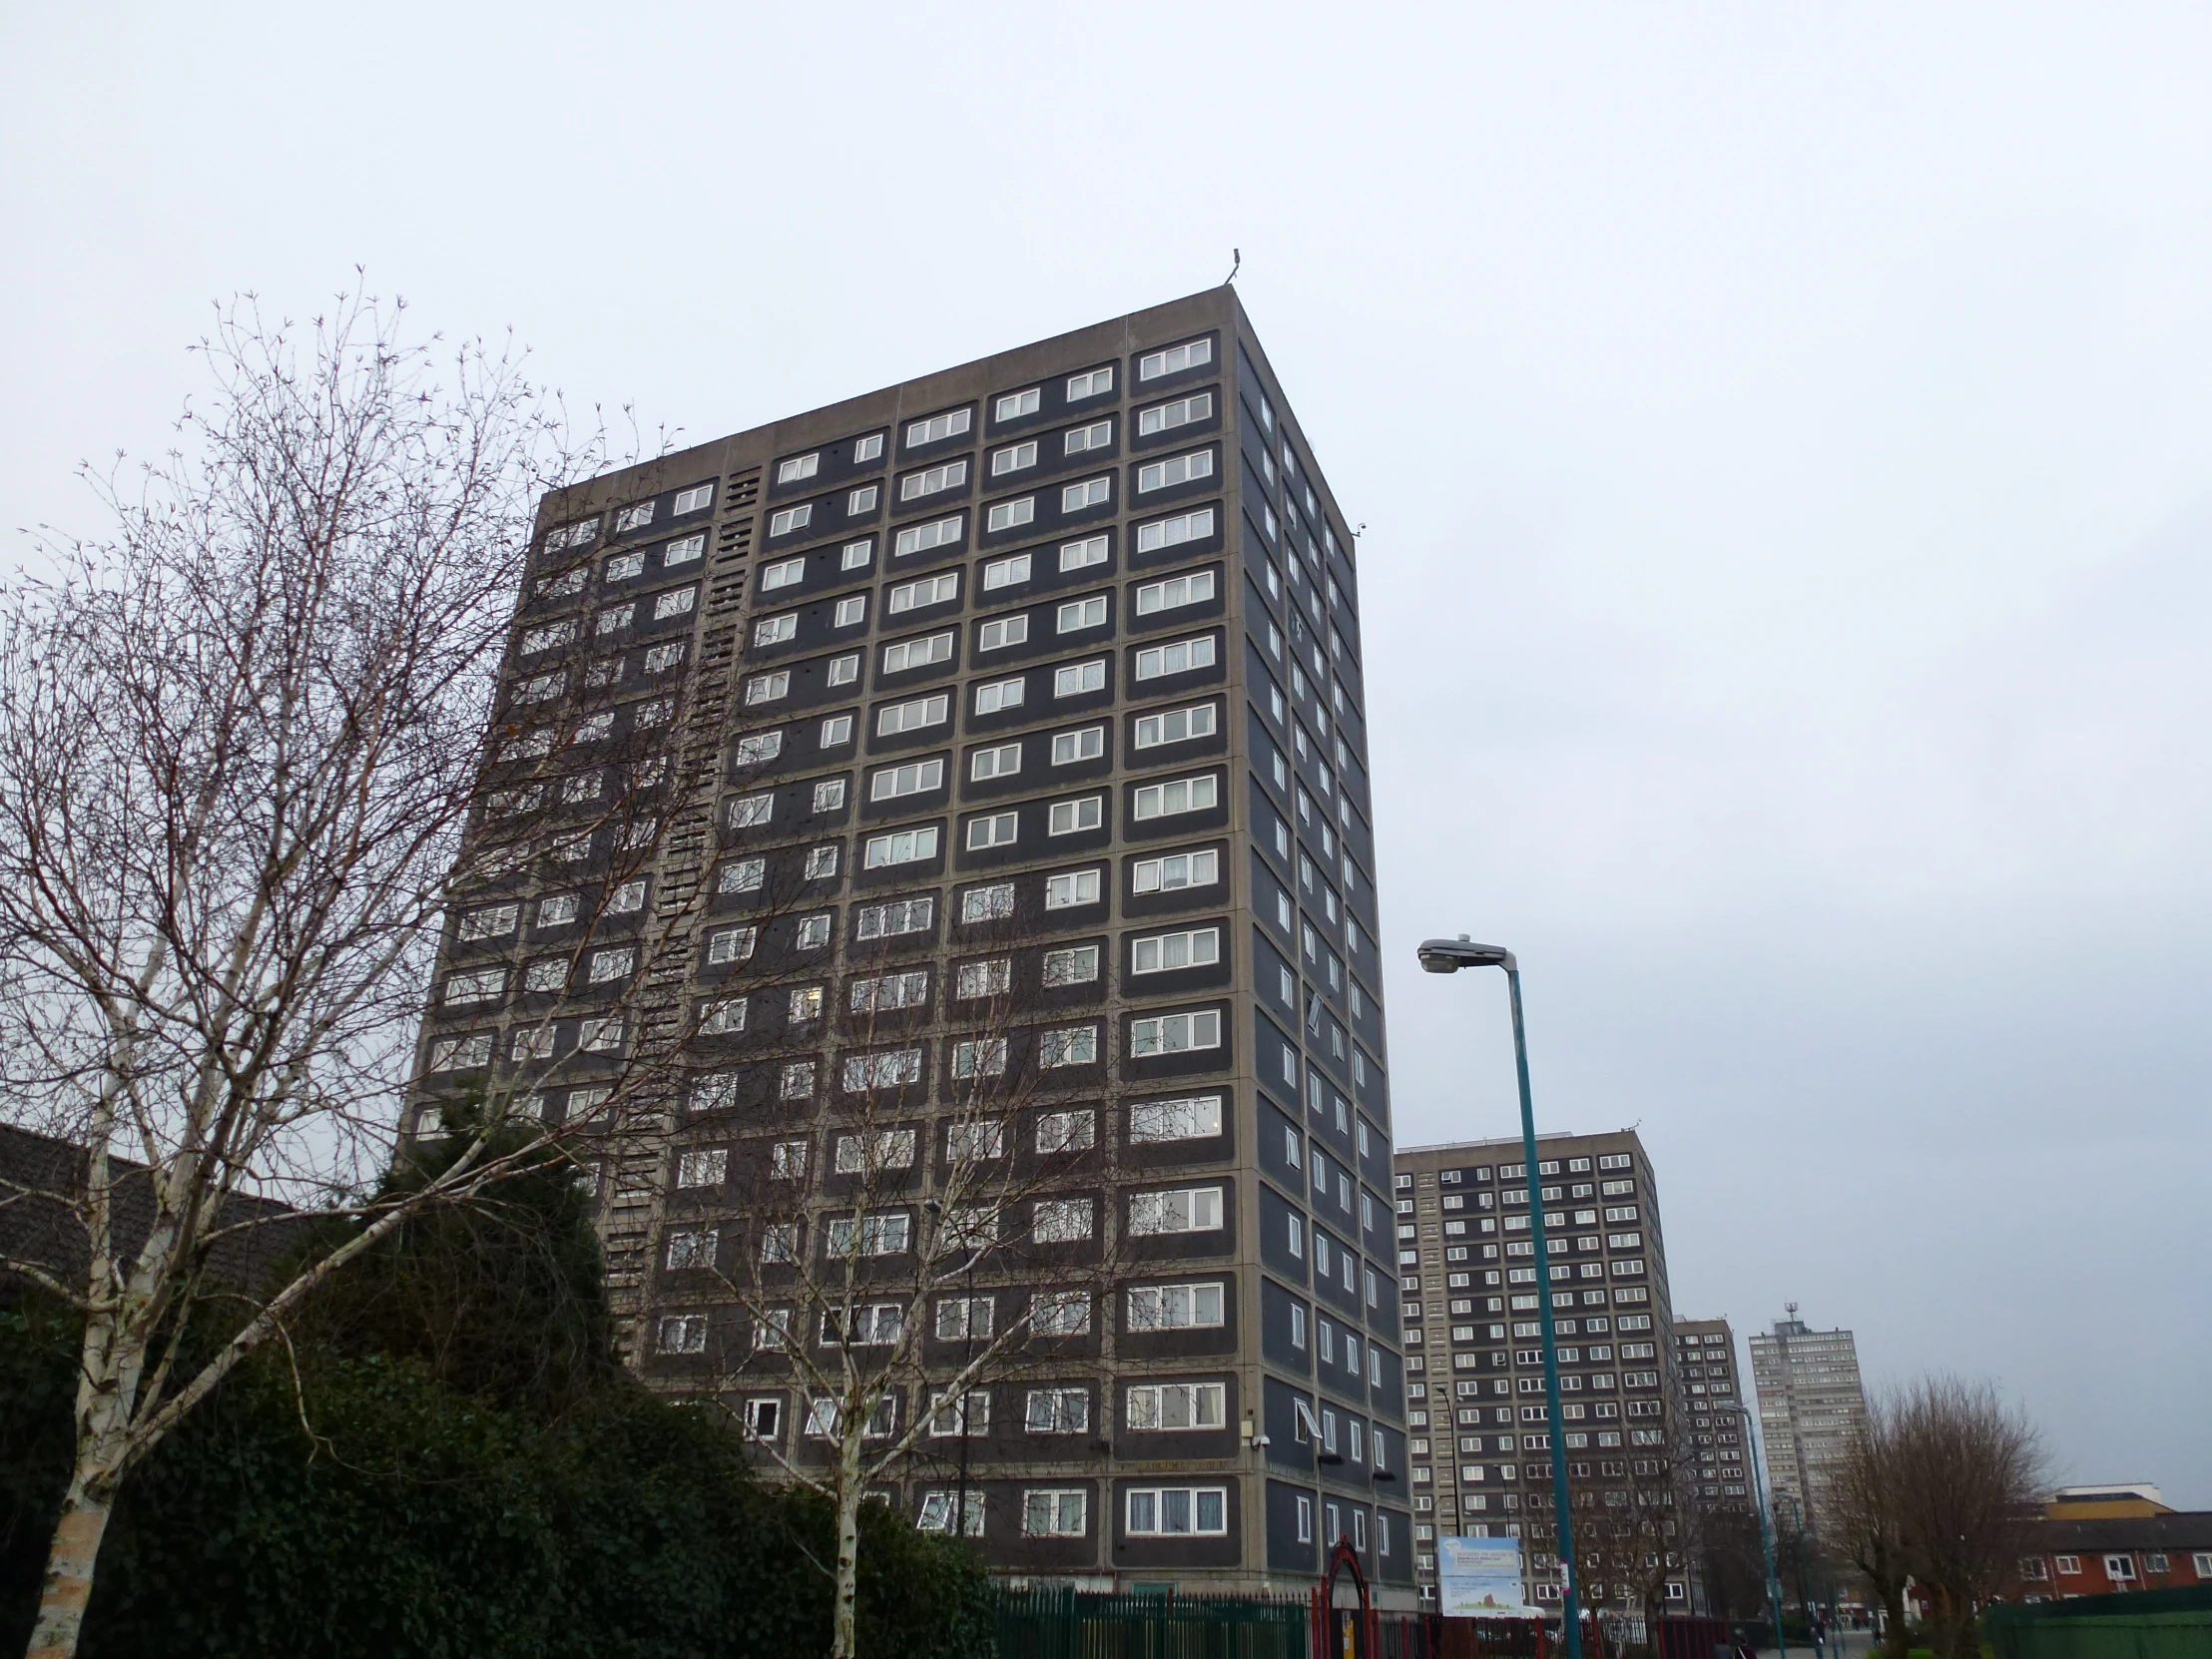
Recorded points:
(1449,956)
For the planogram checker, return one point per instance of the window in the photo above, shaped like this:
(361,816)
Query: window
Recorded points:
(750,811)
(1177,1511)
(997,695)
(1013,458)
(914,778)
(1081,555)
(479,986)
(544,639)
(933,481)
(992,903)
(797,467)
(684,1333)
(938,428)
(1175,1033)
(1175,726)
(836,731)
(884,1234)
(1165,417)
(1183,794)
(759,749)
(1173,1405)
(900,916)
(1189,1210)
(1075,679)
(936,1511)
(988,979)
(631,519)
(1058,1412)
(1069,748)
(851,611)
(902,847)
(862,500)
(557,911)
(1179,658)
(1001,632)
(2119,1568)
(869,449)
(1061,1313)
(675,602)
(1006,573)
(913,715)
(767,688)
(1175,1307)
(1175,358)
(920,653)
(979,1059)
(1073,1045)
(1162,952)
(578,534)
(920,538)
(785,520)
(1001,762)
(1192,1117)
(623,566)
(494,922)
(785,573)
(612,964)
(1170,532)
(1069,1131)
(1098,435)
(1175,469)
(892,990)
(1193,589)
(1091,492)
(1077,965)
(692,1249)
(1078,613)
(887,1149)
(925,590)
(1095,383)
(995,829)
(1176,869)
(1070,889)
(683,552)
(857,555)
(1060,1221)
(722,1019)
(874,1324)
(1053,1513)
(1069,818)
(1008,515)
(1014,405)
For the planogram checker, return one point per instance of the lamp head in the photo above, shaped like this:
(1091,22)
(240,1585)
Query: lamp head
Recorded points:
(1450,955)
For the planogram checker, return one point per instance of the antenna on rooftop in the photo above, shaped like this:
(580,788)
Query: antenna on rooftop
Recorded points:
(1237,264)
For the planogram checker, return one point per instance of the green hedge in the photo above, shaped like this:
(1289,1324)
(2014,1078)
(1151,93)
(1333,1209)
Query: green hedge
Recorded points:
(516,1495)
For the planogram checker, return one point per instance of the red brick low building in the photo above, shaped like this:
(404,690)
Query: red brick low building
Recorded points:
(2166,1551)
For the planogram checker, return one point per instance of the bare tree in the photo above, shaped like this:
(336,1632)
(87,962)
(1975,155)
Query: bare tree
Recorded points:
(1965,1469)
(912,1242)
(1864,1520)
(242,740)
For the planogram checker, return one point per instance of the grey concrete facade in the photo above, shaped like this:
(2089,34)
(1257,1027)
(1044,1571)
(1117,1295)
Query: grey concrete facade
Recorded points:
(1187,591)
(1811,1402)
(1477,1419)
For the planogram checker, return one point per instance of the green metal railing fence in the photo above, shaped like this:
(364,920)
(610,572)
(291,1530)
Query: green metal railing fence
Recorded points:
(1061,1623)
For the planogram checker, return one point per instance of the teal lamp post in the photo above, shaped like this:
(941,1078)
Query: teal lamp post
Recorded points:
(1449,956)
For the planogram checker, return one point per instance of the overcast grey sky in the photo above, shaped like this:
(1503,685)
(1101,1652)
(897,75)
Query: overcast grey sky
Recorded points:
(1785,436)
